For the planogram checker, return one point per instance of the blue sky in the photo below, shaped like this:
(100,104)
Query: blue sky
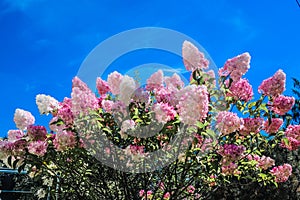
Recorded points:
(43,43)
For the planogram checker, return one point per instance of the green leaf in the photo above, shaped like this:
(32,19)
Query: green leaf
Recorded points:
(264,107)
(201,125)
(245,111)
(250,105)
(286,141)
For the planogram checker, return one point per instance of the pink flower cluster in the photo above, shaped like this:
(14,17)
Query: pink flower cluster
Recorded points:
(38,148)
(107,105)
(136,149)
(292,133)
(263,162)
(230,169)
(240,90)
(274,85)
(251,125)
(23,119)
(155,82)
(274,126)
(166,95)
(83,98)
(282,172)
(6,149)
(282,104)
(192,104)
(236,67)
(102,86)
(36,133)
(228,122)
(146,195)
(190,189)
(64,140)
(163,112)
(192,58)
(65,112)
(231,152)
(174,82)
(18,147)
(14,135)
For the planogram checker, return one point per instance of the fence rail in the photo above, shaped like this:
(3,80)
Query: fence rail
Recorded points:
(12,171)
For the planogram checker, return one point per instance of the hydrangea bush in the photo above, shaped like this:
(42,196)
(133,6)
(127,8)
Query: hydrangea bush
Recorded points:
(233,137)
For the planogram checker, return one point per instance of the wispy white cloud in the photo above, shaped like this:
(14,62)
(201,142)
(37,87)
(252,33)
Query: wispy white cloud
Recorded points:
(177,70)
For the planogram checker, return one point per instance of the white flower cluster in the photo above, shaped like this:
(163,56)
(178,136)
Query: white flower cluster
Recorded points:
(46,103)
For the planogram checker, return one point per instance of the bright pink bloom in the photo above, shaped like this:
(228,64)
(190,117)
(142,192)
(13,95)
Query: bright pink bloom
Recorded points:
(36,133)
(163,112)
(141,193)
(64,140)
(228,122)
(236,67)
(23,119)
(274,126)
(231,152)
(192,104)
(155,81)
(292,133)
(282,172)
(292,144)
(251,125)
(161,185)
(282,104)
(136,149)
(83,98)
(38,148)
(274,85)
(190,189)
(14,135)
(167,196)
(240,90)
(65,113)
(192,58)
(102,86)
(114,80)
(165,95)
